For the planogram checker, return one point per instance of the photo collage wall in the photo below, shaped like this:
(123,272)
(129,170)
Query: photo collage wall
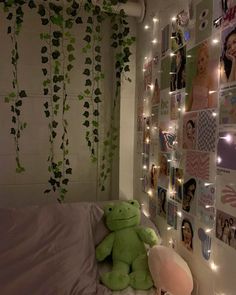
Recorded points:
(188,138)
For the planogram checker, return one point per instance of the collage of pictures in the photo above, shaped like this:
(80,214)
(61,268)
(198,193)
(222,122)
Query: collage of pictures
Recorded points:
(189,132)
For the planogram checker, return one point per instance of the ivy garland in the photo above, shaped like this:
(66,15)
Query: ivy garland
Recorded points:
(57,58)
(15,16)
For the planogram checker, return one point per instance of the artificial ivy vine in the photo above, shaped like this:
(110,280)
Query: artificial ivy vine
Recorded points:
(15,16)
(57,59)
(121,42)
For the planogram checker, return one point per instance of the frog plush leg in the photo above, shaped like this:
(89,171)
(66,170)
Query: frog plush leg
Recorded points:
(140,278)
(118,278)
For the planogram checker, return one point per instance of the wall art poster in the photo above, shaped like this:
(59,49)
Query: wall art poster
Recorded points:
(167,137)
(172,214)
(198,164)
(176,103)
(228,107)
(187,232)
(202,76)
(153,208)
(226,228)
(189,195)
(176,184)
(204,11)
(177,71)
(190,123)
(228,57)
(165,106)
(165,37)
(179,35)
(224,13)
(155,125)
(162,201)
(205,243)
(156,93)
(163,170)
(165,72)
(147,79)
(206,202)
(226,150)
(207,126)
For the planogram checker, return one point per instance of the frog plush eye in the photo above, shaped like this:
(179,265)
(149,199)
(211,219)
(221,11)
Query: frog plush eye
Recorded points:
(134,203)
(108,209)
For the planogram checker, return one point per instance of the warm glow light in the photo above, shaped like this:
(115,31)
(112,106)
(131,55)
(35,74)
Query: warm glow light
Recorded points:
(147,140)
(141,178)
(173,18)
(172,54)
(214,267)
(146,27)
(169,228)
(144,167)
(179,109)
(169,160)
(146,213)
(207,183)
(148,127)
(155,19)
(183,109)
(208,230)
(208,206)
(150,192)
(152,86)
(189,56)
(219,160)
(179,213)
(170,92)
(215,41)
(214,114)
(155,127)
(144,70)
(145,57)
(212,91)
(154,41)
(172,73)
(228,138)
(144,114)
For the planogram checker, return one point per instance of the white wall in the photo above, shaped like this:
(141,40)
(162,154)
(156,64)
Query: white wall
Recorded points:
(27,188)
(207,281)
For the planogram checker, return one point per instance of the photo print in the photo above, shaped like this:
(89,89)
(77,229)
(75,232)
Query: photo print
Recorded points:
(224,13)
(205,243)
(165,37)
(167,136)
(202,76)
(180,33)
(204,15)
(198,164)
(165,72)
(206,203)
(228,107)
(187,232)
(153,208)
(156,93)
(226,150)
(176,103)
(190,125)
(153,176)
(176,184)
(155,125)
(226,228)
(162,201)
(147,75)
(163,170)
(172,214)
(165,105)
(190,195)
(177,72)
(228,57)
(207,127)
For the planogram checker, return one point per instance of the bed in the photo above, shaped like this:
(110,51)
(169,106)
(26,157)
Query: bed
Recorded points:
(50,250)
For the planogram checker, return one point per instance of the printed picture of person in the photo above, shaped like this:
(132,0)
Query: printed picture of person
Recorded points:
(189,194)
(153,176)
(226,228)
(162,203)
(177,80)
(200,96)
(156,93)
(190,135)
(163,175)
(228,58)
(187,234)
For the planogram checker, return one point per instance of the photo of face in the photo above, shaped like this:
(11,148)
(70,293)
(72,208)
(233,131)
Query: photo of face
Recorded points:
(189,133)
(187,234)
(163,173)
(190,130)
(189,194)
(161,201)
(202,60)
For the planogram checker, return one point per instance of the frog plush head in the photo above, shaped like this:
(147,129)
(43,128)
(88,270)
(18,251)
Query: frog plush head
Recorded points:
(122,215)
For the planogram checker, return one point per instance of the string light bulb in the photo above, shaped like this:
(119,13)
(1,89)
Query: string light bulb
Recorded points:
(146,27)
(154,41)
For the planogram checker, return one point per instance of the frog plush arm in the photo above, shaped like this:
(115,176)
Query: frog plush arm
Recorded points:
(105,247)
(147,235)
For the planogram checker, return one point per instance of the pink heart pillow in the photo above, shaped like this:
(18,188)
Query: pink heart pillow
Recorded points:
(169,271)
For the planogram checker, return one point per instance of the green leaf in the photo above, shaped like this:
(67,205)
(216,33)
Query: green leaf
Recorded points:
(87,38)
(19,103)
(22,94)
(97,99)
(97,91)
(13,131)
(44,59)
(87,91)
(41,10)
(98,58)
(71,57)
(44,71)
(47,113)
(45,91)
(86,123)
(98,68)
(79,20)
(44,49)
(55,98)
(46,105)
(69,23)
(7,99)
(88,82)
(70,48)
(68,171)
(56,42)
(86,72)
(57,20)
(56,88)
(86,114)
(13,119)
(98,49)
(54,134)
(56,54)
(65,181)
(69,67)
(44,21)
(86,104)
(57,34)
(95,123)
(96,113)
(90,20)
(80,97)
(88,61)
(31,4)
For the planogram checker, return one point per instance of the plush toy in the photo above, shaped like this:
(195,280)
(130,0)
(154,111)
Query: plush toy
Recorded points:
(126,244)
(169,271)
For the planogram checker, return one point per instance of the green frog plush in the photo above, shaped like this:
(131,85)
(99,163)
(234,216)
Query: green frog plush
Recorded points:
(126,244)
